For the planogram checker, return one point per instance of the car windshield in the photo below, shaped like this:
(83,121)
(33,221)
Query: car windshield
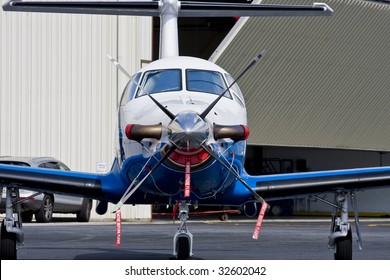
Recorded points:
(156,81)
(206,81)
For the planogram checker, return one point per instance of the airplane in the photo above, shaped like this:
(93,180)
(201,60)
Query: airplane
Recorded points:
(181,137)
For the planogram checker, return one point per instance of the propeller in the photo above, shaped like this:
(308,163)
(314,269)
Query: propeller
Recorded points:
(131,190)
(249,66)
(233,172)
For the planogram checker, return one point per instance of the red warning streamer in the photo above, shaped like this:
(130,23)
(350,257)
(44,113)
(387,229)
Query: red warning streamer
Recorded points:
(118,220)
(187,181)
(260,219)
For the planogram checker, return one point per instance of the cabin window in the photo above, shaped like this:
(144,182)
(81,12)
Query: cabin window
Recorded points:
(206,81)
(130,90)
(157,81)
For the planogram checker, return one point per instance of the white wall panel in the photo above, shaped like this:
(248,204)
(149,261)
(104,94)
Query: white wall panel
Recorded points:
(59,91)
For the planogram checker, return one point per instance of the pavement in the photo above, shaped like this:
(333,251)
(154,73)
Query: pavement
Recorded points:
(287,238)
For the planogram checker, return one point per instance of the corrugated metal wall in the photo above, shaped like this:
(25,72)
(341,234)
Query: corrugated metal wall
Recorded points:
(59,91)
(324,81)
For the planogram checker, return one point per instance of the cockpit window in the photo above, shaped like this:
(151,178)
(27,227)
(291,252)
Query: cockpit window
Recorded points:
(206,81)
(130,89)
(235,90)
(156,81)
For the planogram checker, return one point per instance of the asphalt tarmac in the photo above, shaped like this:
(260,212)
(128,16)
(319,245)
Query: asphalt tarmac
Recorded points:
(280,239)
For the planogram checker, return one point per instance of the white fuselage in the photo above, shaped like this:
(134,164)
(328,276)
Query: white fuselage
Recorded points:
(140,109)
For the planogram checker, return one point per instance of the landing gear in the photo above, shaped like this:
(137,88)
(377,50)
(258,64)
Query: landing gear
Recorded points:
(183,239)
(340,238)
(11,227)
(343,247)
(8,243)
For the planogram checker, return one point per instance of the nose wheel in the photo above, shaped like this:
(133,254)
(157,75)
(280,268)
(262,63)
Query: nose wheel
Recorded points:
(183,239)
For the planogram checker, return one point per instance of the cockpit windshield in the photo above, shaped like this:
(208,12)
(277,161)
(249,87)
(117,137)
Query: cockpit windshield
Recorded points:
(206,81)
(156,81)
(168,80)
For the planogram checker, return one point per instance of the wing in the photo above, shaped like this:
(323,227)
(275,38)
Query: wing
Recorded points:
(308,183)
(106,187)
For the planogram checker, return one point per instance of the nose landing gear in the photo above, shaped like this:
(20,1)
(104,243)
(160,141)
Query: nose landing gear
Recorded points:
(183,239)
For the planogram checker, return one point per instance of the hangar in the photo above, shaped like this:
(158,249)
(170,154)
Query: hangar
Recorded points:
(324,83)
(318,100)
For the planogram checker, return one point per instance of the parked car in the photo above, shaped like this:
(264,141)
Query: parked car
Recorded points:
(44,205)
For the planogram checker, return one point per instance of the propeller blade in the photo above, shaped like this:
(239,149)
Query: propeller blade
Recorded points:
(235,174)
(119,66)
(165,110)
(249,66)
(130,190)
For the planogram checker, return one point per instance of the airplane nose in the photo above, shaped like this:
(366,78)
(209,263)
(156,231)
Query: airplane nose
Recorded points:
(188,131)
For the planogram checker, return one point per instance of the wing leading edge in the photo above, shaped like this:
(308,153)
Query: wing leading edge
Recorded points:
(94,186)
(310,183)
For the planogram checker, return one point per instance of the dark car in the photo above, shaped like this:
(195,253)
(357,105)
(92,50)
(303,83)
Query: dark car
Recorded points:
(44,205)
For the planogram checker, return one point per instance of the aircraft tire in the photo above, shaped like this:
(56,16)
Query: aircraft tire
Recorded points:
(344,247)
(183,248)
(8,244)
(84,214)
(45,213)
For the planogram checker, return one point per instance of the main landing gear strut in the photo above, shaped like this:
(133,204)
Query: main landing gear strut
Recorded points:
(183,239)
(340,238)
(11,227)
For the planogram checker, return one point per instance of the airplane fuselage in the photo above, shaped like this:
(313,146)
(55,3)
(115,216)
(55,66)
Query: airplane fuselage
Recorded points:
(186,87)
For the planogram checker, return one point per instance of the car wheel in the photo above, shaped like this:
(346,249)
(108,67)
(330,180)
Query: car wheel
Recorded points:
(27,216)
(45,213)
(277,210)
(223,217)
(84,214)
